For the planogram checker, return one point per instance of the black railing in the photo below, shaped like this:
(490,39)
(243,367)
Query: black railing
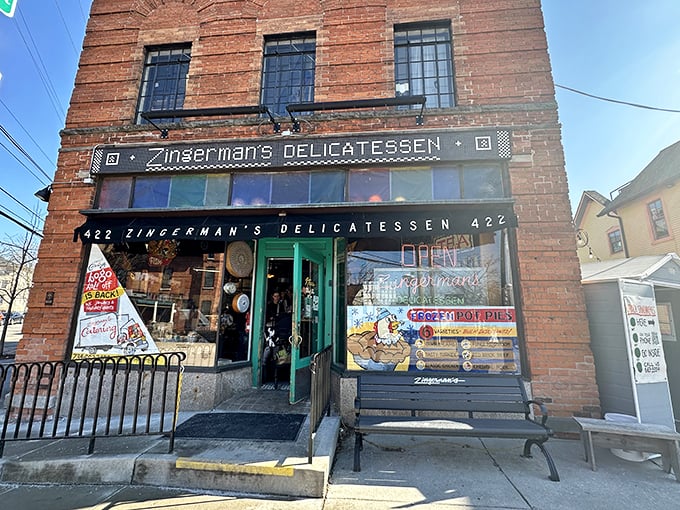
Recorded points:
(90,398)
(320,398)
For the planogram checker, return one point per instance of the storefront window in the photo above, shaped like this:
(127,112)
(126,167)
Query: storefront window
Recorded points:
(217,190)
(187,191)
(300,187)
(290,188)
(431,304)
(369,185)
(327,187)
(411,185)
(151,192)
(115,193)
(482,181)
(251,189)
(446,183)
(179,293)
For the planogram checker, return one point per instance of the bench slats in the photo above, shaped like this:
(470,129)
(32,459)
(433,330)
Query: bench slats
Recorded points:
(454,427)
(445,394)
(438,405)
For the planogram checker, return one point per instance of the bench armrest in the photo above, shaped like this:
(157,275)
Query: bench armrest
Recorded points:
(544,410)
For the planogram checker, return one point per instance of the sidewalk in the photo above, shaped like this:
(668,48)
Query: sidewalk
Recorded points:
(401,472)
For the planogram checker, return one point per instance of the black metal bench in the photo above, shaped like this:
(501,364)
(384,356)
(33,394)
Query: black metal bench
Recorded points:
(501,398)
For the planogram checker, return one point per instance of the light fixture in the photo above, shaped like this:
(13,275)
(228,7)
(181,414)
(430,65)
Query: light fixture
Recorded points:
(355,104)
(44,194)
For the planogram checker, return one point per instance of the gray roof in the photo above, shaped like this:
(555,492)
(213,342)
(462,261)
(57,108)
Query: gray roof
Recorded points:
(664,269)
(663,169)
(581,209)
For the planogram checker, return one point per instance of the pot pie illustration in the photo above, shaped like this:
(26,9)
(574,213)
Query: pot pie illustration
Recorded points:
(382,347)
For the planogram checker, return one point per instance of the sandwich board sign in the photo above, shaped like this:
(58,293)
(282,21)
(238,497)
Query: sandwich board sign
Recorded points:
(7,7)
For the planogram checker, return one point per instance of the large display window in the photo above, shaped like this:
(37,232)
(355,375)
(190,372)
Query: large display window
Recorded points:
(167,296)
(431,304)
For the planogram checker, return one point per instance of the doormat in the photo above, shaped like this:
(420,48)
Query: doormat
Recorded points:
(256,426)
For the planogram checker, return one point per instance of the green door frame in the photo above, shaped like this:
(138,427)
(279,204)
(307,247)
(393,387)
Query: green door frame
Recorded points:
(285,248)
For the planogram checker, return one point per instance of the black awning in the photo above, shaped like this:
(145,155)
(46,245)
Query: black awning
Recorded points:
(458,219)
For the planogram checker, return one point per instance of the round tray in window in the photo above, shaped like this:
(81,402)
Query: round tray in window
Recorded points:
(240,303)
(239,259)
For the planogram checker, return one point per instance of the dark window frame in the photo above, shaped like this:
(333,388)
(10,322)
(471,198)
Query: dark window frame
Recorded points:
(288,70)
(657,219)
(423,60)
(168,64)
(615,241)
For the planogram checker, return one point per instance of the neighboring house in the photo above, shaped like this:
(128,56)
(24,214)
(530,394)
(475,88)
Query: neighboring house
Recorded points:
(643,219)
(596,238)
(7,278)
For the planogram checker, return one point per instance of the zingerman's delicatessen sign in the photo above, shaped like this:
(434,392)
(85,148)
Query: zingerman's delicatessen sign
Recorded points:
(438,316)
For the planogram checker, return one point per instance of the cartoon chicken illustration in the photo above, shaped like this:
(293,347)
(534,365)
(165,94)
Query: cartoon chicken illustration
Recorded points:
(380,346)
(387,328)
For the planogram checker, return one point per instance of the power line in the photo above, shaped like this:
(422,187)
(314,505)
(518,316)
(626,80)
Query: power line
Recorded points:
(68,32)
(3,190)
(23,151)
(38,178)
(28,133)
(14,215)
(636,105)
(25,227)
(42,70)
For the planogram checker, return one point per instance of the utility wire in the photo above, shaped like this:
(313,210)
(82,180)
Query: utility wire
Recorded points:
(68,32)
(28,133)
(636,105)
(25,227)
(82,12)
(38,178)
(15,216)
(42,70)
(23,151)
(3,190)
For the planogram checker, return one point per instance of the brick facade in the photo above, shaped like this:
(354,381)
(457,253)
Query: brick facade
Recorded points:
(502,78)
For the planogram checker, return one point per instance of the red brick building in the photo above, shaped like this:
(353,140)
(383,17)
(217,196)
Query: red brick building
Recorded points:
(392,170)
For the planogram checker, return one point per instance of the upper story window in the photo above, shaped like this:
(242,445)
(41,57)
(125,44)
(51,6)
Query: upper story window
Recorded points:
(164,80)
(615,241)
(658,219)
(423,63)
(288,71)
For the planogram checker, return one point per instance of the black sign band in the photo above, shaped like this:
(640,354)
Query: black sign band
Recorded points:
(464,220)
(397,148)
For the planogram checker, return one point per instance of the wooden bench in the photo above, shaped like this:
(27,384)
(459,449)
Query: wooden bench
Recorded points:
(641,437)
(501,398)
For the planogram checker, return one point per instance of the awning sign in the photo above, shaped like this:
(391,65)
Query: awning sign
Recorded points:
(465,220)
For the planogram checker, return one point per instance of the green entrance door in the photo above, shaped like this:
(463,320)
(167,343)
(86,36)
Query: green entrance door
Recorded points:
(297,274)
(308,322)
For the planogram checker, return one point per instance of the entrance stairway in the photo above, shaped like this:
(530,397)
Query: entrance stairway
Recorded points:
(243,466)
(258,467)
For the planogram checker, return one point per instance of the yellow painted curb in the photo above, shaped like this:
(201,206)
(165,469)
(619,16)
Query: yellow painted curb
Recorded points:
(183,463)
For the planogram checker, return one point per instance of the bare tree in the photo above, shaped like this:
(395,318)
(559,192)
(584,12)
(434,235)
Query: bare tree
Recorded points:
(18,255)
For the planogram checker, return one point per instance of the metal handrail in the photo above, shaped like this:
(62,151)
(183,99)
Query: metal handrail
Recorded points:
(320,395)
(91,398)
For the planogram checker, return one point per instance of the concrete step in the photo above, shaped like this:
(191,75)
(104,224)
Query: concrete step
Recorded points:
(264,467)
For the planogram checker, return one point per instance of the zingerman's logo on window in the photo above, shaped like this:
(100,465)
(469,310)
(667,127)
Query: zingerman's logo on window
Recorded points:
(421,146)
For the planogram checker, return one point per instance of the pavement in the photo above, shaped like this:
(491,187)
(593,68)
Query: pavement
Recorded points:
(398,472)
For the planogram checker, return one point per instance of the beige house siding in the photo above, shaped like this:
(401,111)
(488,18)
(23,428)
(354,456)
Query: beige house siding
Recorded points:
(597,230)
(638,227)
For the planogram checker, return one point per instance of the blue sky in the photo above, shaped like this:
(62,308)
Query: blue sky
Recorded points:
(627,51)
